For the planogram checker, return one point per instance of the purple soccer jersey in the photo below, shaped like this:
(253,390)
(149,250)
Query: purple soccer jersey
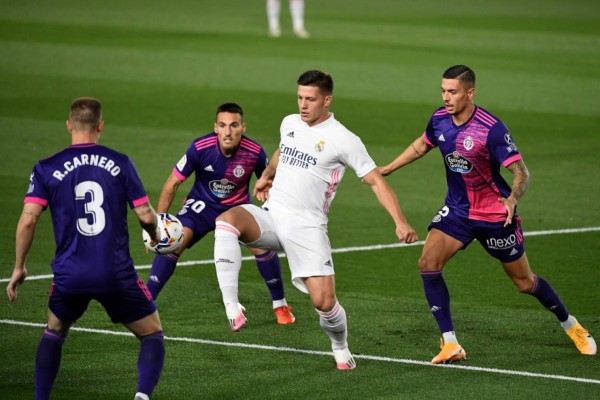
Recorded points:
(220,182)
(88,189)
(473,153)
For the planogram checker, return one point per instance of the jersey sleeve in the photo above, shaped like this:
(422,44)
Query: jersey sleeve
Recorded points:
(429,134)
(357,156)
(261,163)
(37,192)
(502,146)
(185,166)
(136,194)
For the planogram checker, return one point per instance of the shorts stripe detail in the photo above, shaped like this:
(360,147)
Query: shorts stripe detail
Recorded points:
(142,285)
(518,230)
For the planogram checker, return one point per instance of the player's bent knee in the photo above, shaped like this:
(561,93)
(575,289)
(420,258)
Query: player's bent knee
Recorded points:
(324,303)
(429,264)
(227,216)
(145,326)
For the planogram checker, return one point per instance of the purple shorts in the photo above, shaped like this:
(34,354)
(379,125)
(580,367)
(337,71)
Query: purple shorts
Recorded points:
(197,217)
(504,244)
(129,304)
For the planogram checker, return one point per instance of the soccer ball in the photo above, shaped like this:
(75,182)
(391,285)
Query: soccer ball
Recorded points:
(171,235)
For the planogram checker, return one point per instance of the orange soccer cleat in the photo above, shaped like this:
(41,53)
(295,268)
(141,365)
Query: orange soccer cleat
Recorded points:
(284,315)
(451,352)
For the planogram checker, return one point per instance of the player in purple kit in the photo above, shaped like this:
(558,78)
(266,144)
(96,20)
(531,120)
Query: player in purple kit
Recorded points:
(479,205)
(88,188)
(223,163)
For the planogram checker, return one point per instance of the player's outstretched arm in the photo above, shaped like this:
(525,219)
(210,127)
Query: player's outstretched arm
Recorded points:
(148,221)
(264,183)
(167,194)
(416,150)
(521,179)
(387,198)
(24,239)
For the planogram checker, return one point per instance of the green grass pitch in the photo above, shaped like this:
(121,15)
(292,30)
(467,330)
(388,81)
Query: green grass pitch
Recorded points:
(162,68)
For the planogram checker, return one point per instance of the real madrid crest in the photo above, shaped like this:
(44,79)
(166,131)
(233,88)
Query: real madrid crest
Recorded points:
(238,171)
(320,146)
(468,143)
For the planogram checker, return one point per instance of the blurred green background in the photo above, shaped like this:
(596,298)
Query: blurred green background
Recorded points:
(162,68)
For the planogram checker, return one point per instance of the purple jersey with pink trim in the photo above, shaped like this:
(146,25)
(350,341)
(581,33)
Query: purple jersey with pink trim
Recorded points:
(473,153)
(221,182)
(88,188)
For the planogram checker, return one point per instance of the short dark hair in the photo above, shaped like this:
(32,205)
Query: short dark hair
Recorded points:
(321,79)
(461,72)
(231,108)
(86,112)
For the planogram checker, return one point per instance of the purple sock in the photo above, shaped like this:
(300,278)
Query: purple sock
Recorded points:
(438,298)
(543,291)
(270,269)
(47,363)
(150,361)
(163,267)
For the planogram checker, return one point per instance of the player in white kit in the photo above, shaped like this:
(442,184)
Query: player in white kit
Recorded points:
(299,185)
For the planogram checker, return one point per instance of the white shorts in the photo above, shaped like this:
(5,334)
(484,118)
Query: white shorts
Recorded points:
(306,246)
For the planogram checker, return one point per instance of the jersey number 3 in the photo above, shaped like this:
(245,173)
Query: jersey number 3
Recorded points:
(92,208)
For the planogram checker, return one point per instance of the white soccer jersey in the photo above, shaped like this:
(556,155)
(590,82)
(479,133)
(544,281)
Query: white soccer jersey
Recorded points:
(312,162)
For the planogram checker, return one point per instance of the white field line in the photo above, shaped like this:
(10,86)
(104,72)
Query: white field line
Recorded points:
(322,353)
(345,250)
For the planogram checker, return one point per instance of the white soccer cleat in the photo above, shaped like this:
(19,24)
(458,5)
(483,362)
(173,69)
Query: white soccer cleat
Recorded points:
(274,32)
(235,315)
(344,359)
(301,33)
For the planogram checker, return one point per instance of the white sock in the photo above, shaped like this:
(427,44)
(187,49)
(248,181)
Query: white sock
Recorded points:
(228,261)
(569,323)
(297,11)
(449,337)
(279,303)
(273,11)
(334,323)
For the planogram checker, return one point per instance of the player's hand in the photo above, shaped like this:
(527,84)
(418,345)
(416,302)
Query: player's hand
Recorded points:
(261,189)
(17,278)
(406,233)
(509,203)
(383,171)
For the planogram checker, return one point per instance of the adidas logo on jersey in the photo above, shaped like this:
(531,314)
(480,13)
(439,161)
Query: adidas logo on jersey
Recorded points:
(291,134)
(209,168)
(441,138)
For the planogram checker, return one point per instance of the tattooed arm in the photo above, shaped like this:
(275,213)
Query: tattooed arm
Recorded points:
(521,179)
(148,220)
